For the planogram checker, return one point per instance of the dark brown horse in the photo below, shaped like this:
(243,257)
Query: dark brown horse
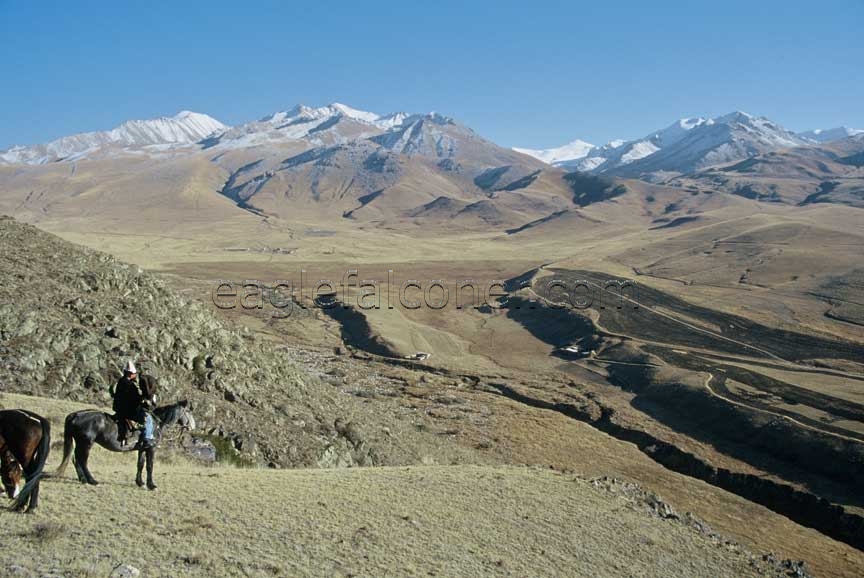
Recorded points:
(25,440)
(87,427)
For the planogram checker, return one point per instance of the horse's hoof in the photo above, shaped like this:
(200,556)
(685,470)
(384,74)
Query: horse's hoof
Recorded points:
(152,487)
(139,483)
(93,482)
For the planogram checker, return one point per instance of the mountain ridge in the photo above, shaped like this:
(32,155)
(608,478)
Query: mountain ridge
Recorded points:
(185,127)
(830,134)
(339,123)
(700,141)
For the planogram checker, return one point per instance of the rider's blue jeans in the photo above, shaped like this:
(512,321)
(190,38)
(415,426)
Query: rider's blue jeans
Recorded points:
(148,426)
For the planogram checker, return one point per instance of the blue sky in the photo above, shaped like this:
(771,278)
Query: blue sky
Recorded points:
(533,74)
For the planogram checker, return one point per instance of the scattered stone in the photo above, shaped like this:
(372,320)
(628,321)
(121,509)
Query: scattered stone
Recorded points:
(244,443)
(349,431)
(333,457)
(125,571)
(201,449)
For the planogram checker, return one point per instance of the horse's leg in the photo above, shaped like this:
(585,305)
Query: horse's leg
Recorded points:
(139,480)
(76,461)
(82,454)
(34,497)
(150,454)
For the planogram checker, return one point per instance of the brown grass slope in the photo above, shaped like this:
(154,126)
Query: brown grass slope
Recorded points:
(450,521)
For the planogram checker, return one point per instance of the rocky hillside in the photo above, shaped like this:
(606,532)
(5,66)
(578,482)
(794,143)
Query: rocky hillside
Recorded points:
(71,317)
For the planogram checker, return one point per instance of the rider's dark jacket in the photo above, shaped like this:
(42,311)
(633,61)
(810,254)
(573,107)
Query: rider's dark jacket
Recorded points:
(132,397)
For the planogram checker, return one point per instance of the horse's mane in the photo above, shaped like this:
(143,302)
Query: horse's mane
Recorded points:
(168,414)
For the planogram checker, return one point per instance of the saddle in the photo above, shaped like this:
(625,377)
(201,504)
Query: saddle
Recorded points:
(125,426)
(128,423)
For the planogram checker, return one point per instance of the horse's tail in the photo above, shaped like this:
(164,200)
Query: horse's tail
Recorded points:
(68,438)
(33,472)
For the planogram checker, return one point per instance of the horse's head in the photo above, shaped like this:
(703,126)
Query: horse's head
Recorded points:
(185,419)
(179,413)
(11,474)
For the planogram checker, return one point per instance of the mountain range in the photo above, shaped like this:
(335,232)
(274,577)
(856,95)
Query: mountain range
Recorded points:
(685,146)
(405,170)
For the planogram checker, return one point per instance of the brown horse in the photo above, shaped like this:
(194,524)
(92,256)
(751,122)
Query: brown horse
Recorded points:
(25,440)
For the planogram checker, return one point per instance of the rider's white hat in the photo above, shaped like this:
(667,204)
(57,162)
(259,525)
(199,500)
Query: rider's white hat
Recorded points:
(130,367)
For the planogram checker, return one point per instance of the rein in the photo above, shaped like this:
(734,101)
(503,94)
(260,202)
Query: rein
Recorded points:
(172,412)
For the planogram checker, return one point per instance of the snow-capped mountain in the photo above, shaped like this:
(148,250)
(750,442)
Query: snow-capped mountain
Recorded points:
(726,138)
(586,157)
(325,125)
(826,135)
(569,152)
(402,168)
(322,126)
(433,135)
(684,146)
(183,128)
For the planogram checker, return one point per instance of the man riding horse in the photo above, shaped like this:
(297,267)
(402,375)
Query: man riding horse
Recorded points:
(134,397)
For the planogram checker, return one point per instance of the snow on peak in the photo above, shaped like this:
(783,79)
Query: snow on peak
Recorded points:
(432,134)
(346,110)
(827,135)
(692,144)
(325,125)
(688,123)
(306,120)
(676,131)
(684,143)
(390,120)
(183,128)
(571,151)
(639,150)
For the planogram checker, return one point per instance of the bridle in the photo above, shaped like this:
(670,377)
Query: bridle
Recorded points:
(181,428)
